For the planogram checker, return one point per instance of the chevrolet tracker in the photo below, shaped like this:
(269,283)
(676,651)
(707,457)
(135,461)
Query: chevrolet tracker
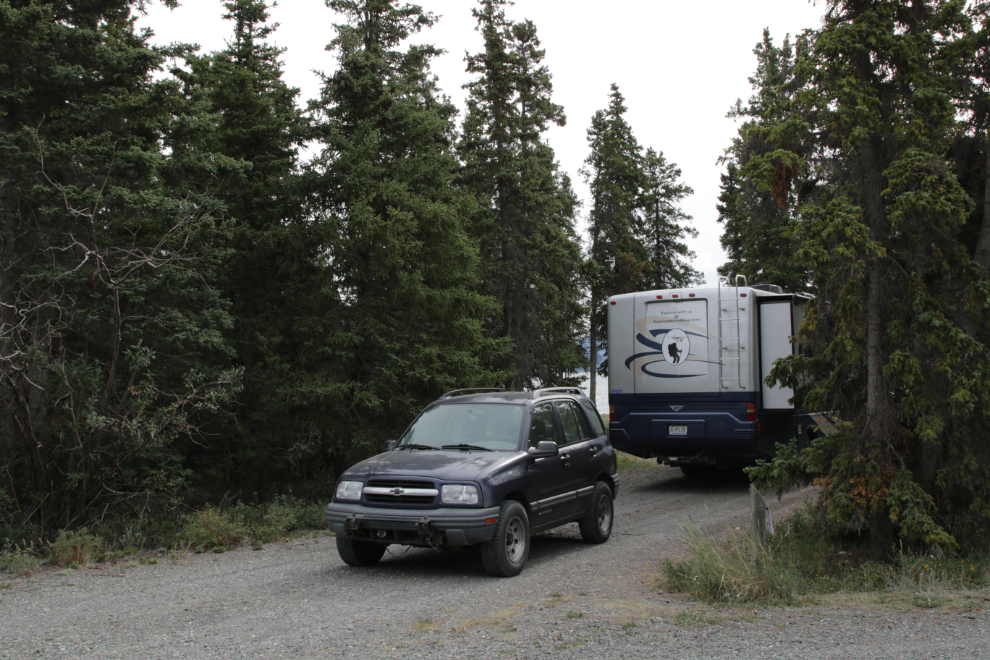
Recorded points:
(484,467)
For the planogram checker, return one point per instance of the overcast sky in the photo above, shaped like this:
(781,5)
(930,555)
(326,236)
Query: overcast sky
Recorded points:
(680,66)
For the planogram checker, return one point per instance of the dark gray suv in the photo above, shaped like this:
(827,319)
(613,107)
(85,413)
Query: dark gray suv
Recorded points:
(484,467)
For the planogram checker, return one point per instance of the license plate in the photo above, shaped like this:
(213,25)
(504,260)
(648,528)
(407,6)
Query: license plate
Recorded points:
(677,429)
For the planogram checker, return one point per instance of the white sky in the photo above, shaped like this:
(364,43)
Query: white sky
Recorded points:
(680,66)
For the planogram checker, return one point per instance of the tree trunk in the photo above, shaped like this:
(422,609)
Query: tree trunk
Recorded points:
(877,427)
(593,364)
(982,252)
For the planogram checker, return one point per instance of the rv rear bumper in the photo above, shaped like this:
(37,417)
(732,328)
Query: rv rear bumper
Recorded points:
(685,436)
(655,428)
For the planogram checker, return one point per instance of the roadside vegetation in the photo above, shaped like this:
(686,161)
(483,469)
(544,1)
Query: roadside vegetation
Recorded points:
(213,528)
(808,559)
(628,462)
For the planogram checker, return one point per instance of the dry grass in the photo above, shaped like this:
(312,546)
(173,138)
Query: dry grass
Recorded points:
(802,564)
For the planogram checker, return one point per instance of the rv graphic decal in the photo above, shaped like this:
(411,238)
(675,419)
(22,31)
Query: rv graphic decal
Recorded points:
(676,346)
(673,349)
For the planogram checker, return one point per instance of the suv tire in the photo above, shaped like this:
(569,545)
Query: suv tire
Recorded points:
(596,527)
(359,553)
(506,553)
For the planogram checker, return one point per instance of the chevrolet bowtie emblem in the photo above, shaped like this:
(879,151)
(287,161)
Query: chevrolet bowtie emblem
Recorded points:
(676,408)
(397,491)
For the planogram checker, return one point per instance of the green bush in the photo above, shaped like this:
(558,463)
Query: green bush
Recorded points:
(153,530)
(76,548)
(283,515)
(18,559)
(211,528)
(19,535)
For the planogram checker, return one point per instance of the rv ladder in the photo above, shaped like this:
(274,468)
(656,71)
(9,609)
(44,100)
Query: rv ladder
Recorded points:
(730,313)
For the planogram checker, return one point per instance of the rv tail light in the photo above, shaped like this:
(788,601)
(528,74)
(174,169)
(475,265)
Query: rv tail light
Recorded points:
(690,295)
(611,413)
(674,296)
(750,412)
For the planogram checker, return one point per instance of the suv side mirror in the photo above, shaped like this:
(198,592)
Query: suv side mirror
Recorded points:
(543,449)
(389,445)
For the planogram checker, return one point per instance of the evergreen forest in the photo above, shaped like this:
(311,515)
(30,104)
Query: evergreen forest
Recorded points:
(212,289)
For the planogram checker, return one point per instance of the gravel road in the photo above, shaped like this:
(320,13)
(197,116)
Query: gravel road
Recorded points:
(297,599)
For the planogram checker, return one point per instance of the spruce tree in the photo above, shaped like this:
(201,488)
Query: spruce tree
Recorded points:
(895,329)
(399,320)
(111,346)
(768,174)
(524,221)
(663,226)
(247,119)
(637,226)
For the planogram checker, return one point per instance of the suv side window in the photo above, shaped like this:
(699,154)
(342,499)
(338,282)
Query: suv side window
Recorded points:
(596,420)
(543,426)
(575,427)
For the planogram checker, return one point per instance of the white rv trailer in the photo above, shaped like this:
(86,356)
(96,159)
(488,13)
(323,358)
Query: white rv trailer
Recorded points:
(687,371)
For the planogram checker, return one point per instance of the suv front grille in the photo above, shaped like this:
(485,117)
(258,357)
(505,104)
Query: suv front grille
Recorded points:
(400,491)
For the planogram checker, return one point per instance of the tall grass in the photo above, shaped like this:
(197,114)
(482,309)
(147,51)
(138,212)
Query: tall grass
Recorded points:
(726,571)
(805,558)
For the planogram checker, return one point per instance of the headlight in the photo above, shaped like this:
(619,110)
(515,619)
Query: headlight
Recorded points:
(457,494)
(349,490)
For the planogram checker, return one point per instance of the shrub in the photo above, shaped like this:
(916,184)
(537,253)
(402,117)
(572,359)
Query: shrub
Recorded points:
(78,548)
(211,528)
(18,559)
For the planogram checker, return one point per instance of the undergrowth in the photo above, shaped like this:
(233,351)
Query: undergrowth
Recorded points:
(216,528)
(804,559)
(628,462)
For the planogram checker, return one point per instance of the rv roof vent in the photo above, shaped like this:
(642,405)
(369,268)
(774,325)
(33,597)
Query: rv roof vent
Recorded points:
(770,288)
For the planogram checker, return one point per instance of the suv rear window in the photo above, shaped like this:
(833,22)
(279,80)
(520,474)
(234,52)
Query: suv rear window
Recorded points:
(575,428)
(596,421)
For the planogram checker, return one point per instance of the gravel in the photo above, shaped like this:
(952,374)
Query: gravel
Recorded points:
(298,600)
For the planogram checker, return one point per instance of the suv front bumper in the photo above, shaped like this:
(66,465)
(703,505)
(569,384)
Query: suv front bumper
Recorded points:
(421,527)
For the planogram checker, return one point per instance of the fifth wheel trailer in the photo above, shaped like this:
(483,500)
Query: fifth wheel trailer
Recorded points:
(687,369)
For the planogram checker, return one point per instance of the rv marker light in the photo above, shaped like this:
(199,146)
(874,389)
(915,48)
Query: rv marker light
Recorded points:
(659,297)
(611,302)
(742,295)
(690,295)
(674,296)
(611,413)
(750,412)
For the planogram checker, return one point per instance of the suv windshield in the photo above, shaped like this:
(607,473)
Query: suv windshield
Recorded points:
(490,426)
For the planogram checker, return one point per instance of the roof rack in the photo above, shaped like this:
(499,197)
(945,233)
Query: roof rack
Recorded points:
(469,390)
(546,391)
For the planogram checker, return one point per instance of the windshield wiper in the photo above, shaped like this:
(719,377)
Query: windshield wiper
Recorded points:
(463,446)
(415,446)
